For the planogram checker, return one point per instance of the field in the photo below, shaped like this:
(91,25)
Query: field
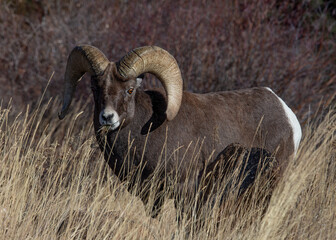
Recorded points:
(54,182)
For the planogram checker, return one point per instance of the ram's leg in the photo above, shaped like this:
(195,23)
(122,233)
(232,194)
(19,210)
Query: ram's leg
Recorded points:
(159,197)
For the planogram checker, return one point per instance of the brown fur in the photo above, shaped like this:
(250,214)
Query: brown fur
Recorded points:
(204,125)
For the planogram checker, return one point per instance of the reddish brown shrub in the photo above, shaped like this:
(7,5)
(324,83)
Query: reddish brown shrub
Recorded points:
(219,45)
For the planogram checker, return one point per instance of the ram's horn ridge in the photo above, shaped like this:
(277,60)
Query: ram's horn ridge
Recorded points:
(82,59)
(160,63)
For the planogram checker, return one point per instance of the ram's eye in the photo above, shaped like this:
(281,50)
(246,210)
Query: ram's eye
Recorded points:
(130,91)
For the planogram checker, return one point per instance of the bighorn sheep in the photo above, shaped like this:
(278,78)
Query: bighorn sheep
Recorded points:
(174,128)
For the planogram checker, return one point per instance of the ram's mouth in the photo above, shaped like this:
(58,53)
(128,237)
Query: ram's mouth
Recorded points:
(104,129)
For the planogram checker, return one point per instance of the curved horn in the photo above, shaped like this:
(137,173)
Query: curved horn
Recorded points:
(82,59)
(160,63)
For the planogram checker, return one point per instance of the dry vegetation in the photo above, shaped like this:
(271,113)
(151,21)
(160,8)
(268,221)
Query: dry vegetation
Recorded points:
(54,182)
(52,188)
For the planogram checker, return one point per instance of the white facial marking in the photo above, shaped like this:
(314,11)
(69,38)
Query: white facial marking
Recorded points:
(110,117)
(293,121)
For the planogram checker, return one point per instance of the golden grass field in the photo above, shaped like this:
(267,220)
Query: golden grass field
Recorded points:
(55,184)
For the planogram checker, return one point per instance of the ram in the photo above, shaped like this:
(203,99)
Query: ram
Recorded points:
(173,129)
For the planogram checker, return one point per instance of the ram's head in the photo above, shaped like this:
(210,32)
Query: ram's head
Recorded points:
(114,84)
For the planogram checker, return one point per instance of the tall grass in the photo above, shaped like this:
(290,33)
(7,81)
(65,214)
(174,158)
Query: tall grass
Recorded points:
(54,184)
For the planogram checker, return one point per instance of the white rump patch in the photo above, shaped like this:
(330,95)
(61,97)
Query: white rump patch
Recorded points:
(293,121)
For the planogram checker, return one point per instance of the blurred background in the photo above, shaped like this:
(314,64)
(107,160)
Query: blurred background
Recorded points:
(289,46)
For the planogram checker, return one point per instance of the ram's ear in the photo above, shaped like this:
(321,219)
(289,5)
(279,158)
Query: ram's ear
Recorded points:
(139,79)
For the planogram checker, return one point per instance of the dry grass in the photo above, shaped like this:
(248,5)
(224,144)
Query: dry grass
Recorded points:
(61,188)
(54,182)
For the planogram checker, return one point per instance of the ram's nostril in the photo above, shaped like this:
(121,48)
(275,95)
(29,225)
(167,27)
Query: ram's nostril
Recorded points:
(107,117)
